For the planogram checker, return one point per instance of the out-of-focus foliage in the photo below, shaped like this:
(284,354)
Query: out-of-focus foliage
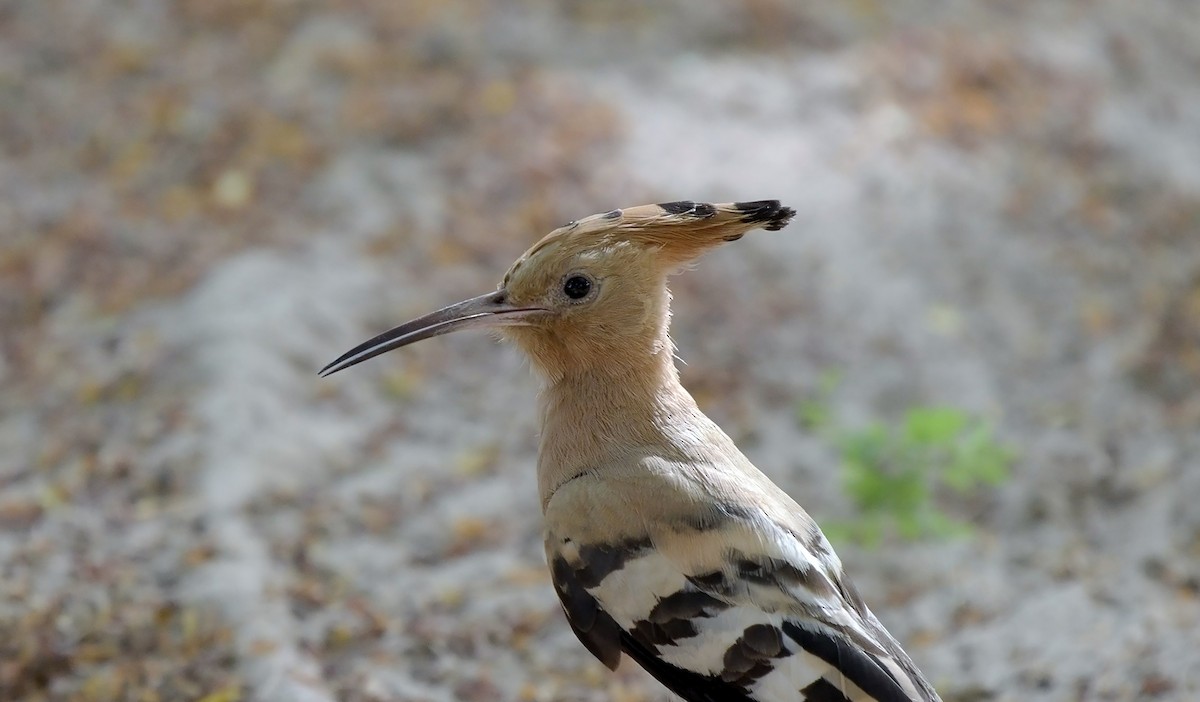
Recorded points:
(897,475)
(893,474)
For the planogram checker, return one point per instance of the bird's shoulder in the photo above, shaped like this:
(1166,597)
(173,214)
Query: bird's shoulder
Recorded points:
(652,490)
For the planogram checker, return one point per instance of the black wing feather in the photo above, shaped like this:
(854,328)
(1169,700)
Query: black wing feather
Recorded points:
(859,667)
(594,628)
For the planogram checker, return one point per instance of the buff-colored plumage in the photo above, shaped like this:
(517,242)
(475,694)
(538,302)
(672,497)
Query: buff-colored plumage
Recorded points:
(664,542)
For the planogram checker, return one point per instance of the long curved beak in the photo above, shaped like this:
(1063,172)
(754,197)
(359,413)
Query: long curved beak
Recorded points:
(490,310)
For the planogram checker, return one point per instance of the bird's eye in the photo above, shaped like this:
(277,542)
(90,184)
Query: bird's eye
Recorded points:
(577,287)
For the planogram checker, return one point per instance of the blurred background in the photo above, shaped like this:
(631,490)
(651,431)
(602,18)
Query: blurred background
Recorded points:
(974,356)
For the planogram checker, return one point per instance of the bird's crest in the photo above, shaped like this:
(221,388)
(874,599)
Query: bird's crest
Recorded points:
(678,231)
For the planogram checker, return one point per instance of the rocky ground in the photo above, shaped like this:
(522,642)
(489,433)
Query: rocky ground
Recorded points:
(206,200)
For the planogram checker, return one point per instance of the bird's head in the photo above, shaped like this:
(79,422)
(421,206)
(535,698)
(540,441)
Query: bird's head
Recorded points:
(593,293)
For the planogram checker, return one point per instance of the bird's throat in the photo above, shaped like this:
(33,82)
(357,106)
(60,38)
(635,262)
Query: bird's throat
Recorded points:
(589,413)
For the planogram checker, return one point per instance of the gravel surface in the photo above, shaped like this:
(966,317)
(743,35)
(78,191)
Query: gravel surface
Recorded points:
(205,201)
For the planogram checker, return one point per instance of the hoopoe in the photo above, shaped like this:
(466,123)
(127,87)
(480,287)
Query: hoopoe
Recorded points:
(664,542)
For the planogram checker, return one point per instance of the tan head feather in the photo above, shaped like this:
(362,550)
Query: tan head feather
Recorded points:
(624,257)
(676,232)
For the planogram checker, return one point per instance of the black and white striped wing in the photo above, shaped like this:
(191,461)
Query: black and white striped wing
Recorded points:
(600,633)
(745,612)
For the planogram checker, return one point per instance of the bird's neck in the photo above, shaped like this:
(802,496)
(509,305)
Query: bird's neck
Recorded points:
(589,414)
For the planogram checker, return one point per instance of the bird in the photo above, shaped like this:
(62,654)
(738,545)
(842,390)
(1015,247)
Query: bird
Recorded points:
(664,542)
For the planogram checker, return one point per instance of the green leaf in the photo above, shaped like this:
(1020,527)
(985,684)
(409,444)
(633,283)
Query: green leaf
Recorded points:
(932,426)
(936,523)
(813,414)
(977,460)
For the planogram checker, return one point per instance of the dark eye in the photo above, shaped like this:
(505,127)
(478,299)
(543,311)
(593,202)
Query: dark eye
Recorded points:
(577,287)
